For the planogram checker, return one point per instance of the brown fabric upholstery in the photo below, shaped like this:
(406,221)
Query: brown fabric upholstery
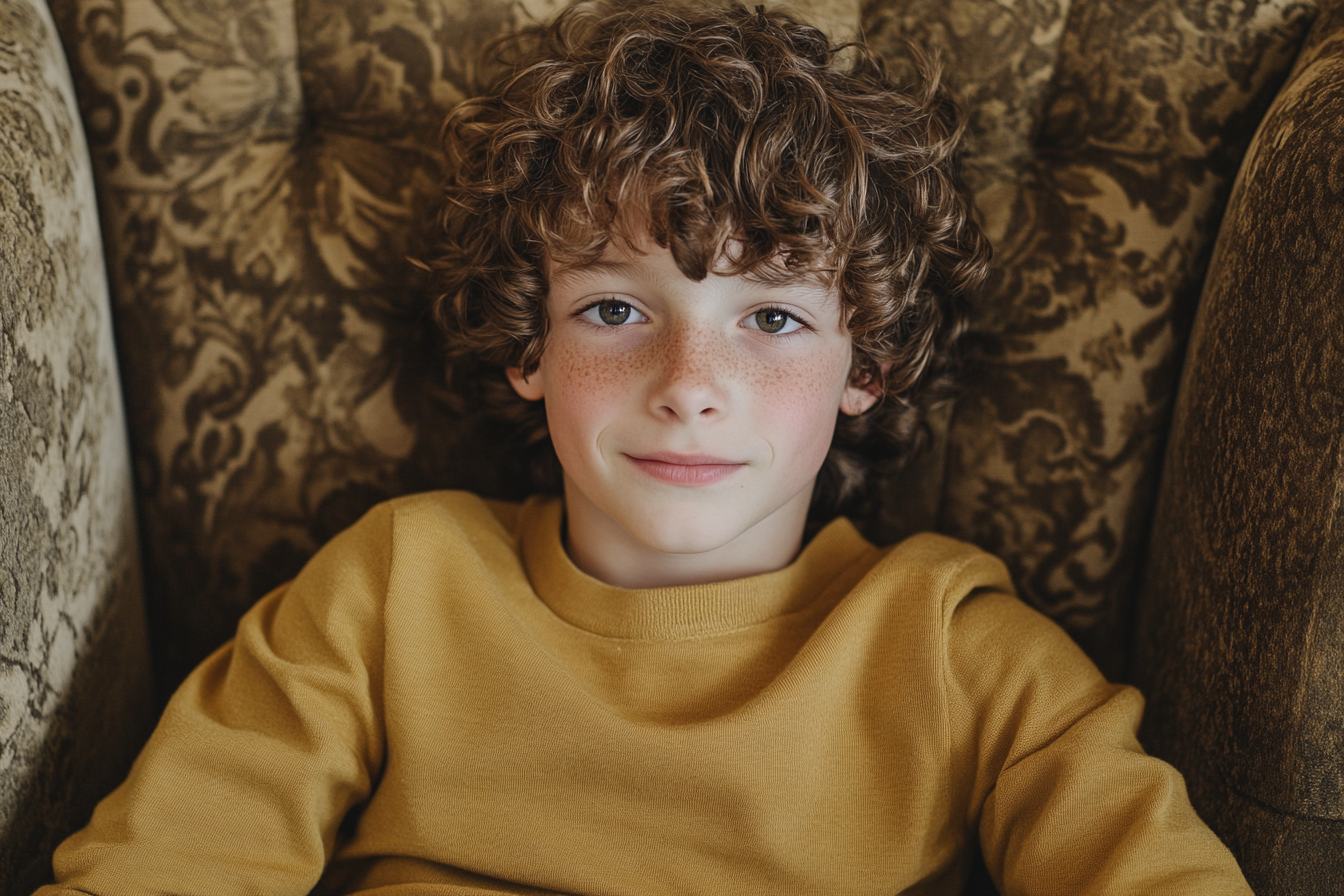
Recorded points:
(261,167)
(270,168)
(265,169)
(1104,139)
(1241,647)
(74,684)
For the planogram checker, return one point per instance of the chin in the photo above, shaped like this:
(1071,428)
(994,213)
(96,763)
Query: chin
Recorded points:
(687,533)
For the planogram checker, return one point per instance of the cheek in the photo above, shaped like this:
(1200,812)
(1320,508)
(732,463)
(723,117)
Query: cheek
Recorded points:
(801,401)
(584,391)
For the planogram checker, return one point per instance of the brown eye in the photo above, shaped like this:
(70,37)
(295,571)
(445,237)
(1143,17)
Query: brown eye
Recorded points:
(613,313)
(771,320)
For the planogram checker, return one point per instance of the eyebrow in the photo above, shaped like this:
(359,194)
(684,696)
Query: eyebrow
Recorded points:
(581,269)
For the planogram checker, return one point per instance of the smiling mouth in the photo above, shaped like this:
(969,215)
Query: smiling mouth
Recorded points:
(686,469)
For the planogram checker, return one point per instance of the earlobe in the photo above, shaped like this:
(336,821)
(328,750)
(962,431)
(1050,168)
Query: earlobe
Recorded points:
(856,400)
(529,388)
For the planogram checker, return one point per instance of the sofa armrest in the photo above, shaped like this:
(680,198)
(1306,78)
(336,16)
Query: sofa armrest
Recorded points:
(1240,645)
(75,696)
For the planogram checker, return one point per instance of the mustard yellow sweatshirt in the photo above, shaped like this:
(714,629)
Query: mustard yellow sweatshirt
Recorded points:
(442,703)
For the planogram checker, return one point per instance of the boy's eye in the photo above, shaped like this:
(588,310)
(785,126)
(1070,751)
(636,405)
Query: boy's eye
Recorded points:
(775,321)
(612,313)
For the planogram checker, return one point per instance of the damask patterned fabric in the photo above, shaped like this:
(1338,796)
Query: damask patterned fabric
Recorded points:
(270,167)
(262,190)
(1105,135)
(1242,644)
(267,169)
(74,686)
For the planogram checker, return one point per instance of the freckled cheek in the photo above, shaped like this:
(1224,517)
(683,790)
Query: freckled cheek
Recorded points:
(584,390)
(801,401)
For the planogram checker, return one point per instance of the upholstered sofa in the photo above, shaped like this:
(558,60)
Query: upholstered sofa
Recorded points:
(214,354)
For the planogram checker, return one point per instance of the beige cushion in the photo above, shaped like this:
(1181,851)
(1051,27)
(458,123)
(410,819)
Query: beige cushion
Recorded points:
(74,673)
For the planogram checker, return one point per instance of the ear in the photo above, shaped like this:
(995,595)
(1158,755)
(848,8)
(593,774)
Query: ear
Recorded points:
(530,388)
(856,400)
(859,397)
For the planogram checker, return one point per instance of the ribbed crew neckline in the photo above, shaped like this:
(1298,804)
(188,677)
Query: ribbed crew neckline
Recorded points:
(683,611)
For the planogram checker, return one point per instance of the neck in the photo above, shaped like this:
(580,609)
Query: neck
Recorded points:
(603,549)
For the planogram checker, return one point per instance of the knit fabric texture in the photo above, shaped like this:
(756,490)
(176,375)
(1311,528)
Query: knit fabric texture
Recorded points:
(442,703)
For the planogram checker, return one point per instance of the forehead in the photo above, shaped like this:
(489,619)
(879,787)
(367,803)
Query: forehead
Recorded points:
(641,258)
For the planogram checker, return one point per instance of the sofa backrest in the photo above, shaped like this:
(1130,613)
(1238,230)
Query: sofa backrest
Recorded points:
(1105,136)
(265,169)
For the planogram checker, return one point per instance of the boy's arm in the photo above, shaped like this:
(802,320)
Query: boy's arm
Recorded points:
(263,749)
(1066,799)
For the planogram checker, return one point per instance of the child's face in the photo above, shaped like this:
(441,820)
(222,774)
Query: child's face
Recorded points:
(691,418)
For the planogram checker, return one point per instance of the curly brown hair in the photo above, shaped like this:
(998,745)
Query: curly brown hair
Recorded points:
(708,125)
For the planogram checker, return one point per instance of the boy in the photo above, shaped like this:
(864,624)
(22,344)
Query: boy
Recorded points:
(679,247)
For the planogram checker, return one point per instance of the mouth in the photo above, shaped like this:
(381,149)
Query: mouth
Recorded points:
(686,469)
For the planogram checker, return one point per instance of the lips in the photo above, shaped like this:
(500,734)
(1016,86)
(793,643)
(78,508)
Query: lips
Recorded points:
(686,469)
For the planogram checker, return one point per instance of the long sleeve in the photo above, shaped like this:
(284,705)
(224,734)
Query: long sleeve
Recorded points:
(262,750)
(1065,798)
(844,725)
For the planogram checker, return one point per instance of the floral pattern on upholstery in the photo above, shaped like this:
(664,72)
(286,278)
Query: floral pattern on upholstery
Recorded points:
(1105,137)
(266,169)
(258,264)
(74,675)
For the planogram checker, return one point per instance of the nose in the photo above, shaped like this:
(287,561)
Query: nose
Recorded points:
(689,384)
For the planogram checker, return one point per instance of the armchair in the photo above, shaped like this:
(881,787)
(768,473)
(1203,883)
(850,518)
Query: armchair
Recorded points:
(1149,433)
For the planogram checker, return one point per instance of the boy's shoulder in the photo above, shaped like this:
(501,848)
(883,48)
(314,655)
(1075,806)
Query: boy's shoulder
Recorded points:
(454,508)
(427,529)
(948,568)
(966,594)
(432,536)
(994,643)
